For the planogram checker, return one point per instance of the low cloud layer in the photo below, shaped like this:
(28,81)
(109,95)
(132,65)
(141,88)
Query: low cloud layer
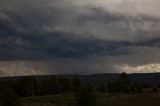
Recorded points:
(77,36)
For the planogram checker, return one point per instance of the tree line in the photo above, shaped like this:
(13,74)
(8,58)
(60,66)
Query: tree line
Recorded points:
(84,93)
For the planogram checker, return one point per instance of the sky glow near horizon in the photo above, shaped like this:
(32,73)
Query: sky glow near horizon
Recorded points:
(79,36)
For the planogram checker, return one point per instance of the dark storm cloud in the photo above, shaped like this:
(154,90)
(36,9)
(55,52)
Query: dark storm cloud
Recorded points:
(66,16)
(92,35)
(24,35)
(56,45)
(6,25)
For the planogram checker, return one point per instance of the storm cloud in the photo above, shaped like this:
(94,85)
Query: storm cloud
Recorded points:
(78,36)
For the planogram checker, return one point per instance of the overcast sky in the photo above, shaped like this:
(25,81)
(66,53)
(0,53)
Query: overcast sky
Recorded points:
(79,36)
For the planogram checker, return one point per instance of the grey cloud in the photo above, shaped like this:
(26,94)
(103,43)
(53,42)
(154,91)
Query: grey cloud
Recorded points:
(89,65)
(83,20)
(94,36)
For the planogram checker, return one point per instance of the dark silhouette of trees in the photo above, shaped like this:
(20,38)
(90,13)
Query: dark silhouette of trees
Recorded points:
(102,88)
(52,85)
(75,84)
(124,78)
(8,97)
(154,90)
(113,87)
(146,86)
(63,85)
(85,96)
(26,86)
(48,85)
(136,87)
(122,85)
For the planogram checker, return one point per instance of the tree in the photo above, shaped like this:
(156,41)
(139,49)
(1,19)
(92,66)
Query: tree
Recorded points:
(48,85)
(8,97)
(63,85)
(26,86)
(75,84)
(124,83)
(124,78)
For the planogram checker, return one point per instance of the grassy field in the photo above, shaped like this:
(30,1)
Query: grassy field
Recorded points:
(129,100)
(51,100)
(102,100)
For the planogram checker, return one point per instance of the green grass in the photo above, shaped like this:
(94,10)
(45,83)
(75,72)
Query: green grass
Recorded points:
(102,100)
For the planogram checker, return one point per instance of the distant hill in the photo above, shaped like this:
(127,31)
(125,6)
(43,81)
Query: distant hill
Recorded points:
(96,79)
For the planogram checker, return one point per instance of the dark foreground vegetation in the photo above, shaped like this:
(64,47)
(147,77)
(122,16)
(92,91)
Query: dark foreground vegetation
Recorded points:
(60,91)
